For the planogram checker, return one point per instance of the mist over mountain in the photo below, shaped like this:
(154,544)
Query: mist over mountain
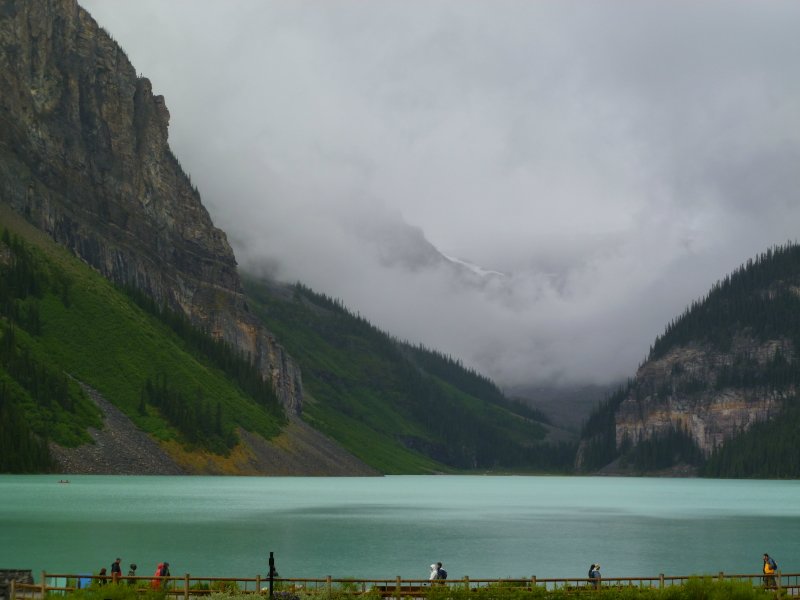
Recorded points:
(132,344)
(567,406)
(610,161)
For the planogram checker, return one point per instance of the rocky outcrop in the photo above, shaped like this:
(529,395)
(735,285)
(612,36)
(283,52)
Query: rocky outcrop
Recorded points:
(686,390)
(84,156)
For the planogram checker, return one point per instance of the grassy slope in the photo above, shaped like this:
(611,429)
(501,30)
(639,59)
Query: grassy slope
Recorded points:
(355,384)
(350,412)
(103,339)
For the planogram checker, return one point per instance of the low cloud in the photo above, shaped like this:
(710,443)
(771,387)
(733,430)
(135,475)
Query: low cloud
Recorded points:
(612,159)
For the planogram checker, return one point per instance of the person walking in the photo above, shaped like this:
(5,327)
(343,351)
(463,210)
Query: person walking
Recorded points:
(770,567)
(164,573)
(155,582)
(116,571)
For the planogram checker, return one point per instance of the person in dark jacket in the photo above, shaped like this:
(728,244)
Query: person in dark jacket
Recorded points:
(165,573)
(594,575)
(116,571)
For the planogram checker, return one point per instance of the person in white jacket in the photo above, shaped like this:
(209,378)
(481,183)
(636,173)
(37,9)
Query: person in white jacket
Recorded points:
(434,572)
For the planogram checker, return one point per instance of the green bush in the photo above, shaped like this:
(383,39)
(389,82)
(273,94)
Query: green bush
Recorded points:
(694,589)
(111,591)
(499,591)
(228,587)
(708,589)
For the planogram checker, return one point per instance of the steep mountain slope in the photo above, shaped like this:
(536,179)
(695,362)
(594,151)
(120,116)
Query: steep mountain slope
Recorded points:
(84,156)
(172,344)
(63,327)
(398,407)
(717,386)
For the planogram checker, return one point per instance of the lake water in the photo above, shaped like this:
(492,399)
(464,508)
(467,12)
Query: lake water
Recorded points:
(481,526)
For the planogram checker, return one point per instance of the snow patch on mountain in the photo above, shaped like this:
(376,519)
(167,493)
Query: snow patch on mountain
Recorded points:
(473,268)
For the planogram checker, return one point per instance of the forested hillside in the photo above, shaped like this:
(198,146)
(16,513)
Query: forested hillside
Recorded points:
(62,323)
(399,407)
(761,297)
(734,352)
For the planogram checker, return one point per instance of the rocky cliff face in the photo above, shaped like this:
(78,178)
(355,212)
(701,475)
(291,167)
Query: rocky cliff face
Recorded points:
(684,390)
(730,362)
(84,156)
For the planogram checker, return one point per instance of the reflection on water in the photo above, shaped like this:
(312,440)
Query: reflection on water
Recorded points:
(383,527)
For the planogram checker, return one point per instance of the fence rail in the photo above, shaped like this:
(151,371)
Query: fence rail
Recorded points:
(187,586)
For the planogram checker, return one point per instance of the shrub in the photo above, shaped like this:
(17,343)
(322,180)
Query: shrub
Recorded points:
(111,591)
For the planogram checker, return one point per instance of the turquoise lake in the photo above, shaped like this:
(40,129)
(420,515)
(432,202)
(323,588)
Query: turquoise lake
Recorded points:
(481,526)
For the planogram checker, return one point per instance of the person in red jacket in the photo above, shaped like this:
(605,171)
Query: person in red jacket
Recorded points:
(155,583)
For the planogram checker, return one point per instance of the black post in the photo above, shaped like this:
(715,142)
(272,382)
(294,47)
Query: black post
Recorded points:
(271,573)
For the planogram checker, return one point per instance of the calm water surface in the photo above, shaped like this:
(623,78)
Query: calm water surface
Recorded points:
(388,526)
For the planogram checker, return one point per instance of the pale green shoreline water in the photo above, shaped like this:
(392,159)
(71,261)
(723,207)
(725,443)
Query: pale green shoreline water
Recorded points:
(382,527)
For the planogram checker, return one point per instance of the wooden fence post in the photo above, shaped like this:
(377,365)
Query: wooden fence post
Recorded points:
(661,581)
(44,585)
(533,581)
(397,587)
(186,587)
(258,584)
(12,589)
(721,576)
(466,582)
(778,580)
(329,585)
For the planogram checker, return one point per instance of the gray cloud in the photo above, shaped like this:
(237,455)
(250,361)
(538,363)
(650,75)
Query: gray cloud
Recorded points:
(612,158)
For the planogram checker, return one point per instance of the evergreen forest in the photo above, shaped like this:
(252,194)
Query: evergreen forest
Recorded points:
(400,405)
(62,325)
(759,302)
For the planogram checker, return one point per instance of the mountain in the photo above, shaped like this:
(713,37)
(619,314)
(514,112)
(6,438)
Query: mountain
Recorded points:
(399,244)
(84,156)
(129,341)
(398,406)
(717,394)
(97,379)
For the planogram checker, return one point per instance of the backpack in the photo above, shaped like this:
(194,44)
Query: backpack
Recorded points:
(441,574)
(773,565)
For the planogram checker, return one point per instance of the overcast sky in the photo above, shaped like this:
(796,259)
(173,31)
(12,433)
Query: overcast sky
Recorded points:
(613,159)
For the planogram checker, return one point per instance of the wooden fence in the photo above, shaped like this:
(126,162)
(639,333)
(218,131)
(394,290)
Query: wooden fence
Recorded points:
(186,586)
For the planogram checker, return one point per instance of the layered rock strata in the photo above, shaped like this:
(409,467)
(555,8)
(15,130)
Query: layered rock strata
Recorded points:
(84,156)
(684,390)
